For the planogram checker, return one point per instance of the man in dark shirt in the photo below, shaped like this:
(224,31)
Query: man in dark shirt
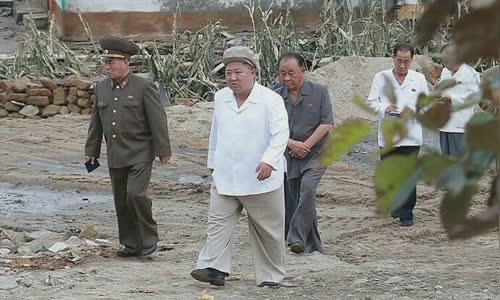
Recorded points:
(310,120)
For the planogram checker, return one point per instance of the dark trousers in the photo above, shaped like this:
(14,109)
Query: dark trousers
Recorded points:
(136,226)
(405,212)
(452,143)
(289,205)
(303,225)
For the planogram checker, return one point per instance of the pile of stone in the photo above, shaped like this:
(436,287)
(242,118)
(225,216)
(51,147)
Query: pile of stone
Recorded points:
(26,99)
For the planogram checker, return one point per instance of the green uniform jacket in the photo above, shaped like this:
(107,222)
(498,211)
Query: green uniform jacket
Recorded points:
(132,120)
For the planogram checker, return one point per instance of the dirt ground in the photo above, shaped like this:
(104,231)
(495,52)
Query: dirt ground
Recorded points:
(44,187)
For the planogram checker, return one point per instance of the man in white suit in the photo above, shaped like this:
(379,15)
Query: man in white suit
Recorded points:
(248,139)
(451,136)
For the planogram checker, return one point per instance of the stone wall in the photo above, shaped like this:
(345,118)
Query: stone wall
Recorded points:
(26,99)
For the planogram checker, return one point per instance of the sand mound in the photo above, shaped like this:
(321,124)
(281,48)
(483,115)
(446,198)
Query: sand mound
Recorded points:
(349,77)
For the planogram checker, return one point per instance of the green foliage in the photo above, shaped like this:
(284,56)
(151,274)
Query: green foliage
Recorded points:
(343,138)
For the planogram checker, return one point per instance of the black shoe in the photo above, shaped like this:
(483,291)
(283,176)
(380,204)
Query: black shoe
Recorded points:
(406,223)
(269,284)
(126,252)
(149,250)
(297,248)
(210,275)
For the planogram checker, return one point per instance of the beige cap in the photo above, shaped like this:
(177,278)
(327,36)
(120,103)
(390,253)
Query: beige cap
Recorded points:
(241,54)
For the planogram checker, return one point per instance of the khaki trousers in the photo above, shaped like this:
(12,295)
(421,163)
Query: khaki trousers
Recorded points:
(266,227)
(136,225)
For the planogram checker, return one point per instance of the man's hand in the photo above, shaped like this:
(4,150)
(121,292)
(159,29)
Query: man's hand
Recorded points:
(165,159)
(445,99)
(263,171)
(391,108)
(92,159)
(298,149)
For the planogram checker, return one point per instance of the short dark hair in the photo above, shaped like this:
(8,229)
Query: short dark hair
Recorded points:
(404,47)
(301,60)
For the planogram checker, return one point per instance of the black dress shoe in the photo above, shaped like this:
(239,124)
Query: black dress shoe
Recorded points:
(406,223)
(297,248)
(210,275)
(126,252)
(149,250)
(269,284)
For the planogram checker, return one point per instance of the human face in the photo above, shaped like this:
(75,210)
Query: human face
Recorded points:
(116,68)
(450,58)
(240,77)
(291,74)
(402,62)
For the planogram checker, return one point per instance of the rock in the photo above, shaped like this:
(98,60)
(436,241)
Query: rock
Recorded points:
(59,96)
(73,108)
(11,107)
(103,242)
(8,283)
(16,115)
(3,113)
(184,101)
(30,111)
(51,281)
(4,251)
(58,247)
(90,243)
(83,94)
(72,99)
(20,85)
(73,91)
(5,85)
(84,84)
(429,68)
(64,110)
(6,243)
(39,92)
(51,110)
(73,242)
(71,81)
(38,100)
(4,271)
(325,61)
(4,97)
(88,232)
(84,103)
(36,235)
(17,97)
(25,250)
(48,83)
(394,280)
(86,111)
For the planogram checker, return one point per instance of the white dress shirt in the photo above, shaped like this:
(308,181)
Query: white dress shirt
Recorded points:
(467,84)
(241,138)
(406,95)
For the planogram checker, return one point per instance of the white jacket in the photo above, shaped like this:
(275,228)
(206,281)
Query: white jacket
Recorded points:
(467,84)
(243,137)
(407,96)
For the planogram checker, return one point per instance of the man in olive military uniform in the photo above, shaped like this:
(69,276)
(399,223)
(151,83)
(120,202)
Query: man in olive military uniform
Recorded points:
(128,112)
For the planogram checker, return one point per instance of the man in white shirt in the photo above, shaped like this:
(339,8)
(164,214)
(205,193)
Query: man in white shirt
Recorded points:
(248,139)
(451,136)
(408,85)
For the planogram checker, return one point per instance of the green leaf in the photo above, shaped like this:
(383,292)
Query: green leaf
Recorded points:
(434,166)
(435,116)
(343,138)
(483,132)
(395,178)
(445,84)
(361,103)
(394,130)
(455,206)
(453,179)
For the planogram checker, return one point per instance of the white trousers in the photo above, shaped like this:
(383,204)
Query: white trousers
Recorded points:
(266,227)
